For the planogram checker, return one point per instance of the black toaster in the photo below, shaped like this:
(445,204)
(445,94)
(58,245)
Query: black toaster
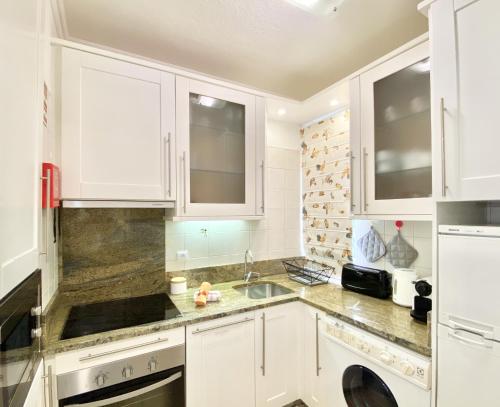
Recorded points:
(364,280)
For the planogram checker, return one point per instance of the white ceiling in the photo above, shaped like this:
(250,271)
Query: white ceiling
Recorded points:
(266,44)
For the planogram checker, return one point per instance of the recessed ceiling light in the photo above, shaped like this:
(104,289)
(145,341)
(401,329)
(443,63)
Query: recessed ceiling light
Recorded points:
(334,102)
(320,7)
(281,111)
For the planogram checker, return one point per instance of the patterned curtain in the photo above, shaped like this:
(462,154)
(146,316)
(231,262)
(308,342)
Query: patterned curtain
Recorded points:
(326,191)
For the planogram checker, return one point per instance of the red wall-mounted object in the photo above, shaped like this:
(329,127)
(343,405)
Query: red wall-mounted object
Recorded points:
(50,172)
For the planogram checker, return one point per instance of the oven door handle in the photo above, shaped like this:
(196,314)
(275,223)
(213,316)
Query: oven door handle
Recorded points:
(129,395)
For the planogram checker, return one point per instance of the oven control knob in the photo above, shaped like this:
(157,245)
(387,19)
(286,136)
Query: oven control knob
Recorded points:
(100,379)
(127,372)
(153,365)
(407,368)
(386,357)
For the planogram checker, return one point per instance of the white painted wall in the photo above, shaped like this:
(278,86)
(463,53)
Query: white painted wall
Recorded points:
(213,243)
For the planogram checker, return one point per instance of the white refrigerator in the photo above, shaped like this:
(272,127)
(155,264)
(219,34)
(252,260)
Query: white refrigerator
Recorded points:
(468,307)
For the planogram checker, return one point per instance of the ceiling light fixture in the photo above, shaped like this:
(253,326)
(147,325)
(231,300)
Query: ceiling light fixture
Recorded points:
(319,7)
(281,111)
(334,102)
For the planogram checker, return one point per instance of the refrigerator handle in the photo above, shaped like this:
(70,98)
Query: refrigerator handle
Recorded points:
(485,331)
(455,334)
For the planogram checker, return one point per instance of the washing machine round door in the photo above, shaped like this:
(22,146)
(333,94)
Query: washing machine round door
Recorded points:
(363,388)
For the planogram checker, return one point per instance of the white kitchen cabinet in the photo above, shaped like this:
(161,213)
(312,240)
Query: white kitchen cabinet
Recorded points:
(220,362)
(118,127)
(314,381)
(391,136)
(35,396)
(465,89)
(277,353)
(21,103)
(220,151)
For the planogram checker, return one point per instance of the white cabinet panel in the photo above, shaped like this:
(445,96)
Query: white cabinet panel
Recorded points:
(465,89)
(220,150)
(391,154)
(277,355)
(36,397)
(117,129)
(314,391)
(20,102)
(220,360)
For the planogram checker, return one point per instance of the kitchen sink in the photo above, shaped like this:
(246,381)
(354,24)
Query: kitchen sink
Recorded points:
(258,291)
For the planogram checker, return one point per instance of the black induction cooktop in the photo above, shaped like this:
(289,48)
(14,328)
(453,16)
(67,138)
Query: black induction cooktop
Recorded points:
(105,316)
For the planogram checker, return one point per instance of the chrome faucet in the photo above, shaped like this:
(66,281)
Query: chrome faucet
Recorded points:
(247,275)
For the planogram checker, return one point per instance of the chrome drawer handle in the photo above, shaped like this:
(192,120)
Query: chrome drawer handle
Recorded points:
(91,356)
(199,331)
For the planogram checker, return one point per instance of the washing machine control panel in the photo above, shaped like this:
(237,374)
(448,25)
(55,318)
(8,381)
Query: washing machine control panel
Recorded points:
(403,362)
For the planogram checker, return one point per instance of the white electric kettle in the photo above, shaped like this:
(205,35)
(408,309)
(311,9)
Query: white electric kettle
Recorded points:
(403,287)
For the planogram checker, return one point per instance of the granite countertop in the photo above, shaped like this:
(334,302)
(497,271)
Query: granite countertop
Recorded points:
(380,317)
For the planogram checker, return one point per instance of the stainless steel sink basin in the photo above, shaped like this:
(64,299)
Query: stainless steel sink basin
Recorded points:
(258,291)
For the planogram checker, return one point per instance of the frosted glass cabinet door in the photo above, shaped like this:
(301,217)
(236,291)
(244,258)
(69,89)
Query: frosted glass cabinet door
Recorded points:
(396,131)
(217,150)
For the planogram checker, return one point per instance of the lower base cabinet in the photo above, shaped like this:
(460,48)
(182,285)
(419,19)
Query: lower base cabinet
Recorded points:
(246,360)
(277,355)
(220,360)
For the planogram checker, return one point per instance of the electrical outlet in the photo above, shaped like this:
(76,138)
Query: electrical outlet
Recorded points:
(182,254)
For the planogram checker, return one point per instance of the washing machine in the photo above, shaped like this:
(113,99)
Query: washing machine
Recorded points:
(364,370)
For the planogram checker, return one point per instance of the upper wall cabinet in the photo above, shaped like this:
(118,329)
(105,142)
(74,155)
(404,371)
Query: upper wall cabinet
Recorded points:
(391,137)
(465,87)
(118,123)
(220,151)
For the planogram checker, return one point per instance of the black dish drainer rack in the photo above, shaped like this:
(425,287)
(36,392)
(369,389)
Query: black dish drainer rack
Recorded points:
(308,272)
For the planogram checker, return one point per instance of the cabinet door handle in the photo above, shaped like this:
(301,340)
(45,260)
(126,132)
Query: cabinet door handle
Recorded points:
(91,356)
(48,377)
(263,367)
(199,331)
(185,179)
(164,165)
(443,149)
(351,169)
(263,185)
(169,143)
(365,203)
(318,368)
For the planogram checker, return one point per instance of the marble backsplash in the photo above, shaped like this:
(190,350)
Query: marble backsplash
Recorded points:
(121,253)
(122,249)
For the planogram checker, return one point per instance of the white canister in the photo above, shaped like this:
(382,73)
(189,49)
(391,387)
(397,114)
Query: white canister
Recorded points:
(403,288)
(178,285)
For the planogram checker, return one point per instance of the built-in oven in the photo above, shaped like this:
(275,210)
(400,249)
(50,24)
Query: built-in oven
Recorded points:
(20,334)
(148,380)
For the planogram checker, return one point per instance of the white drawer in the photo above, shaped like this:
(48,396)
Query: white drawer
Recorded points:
(112,351)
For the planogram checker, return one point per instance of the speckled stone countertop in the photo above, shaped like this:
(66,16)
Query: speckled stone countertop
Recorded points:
(380,317)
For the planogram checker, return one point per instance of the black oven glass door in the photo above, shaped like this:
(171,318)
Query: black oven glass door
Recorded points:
(19,344)
(363,388)
(165,389)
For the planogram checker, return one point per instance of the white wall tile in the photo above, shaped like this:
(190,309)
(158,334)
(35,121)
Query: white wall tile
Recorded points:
(276,177)
(291,180)
(276,199)
(173,243)
(259,241)
(212,243)
(196,244)
(276,218)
